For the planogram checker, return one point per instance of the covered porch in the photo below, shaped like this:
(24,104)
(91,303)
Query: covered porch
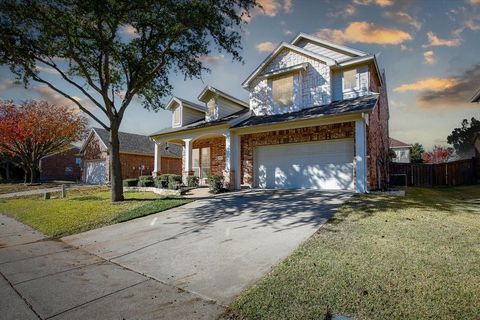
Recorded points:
(205,153)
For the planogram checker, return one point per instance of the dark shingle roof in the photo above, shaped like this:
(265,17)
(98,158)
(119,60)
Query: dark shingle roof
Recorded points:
(394,143)
(136,143)
(361,104)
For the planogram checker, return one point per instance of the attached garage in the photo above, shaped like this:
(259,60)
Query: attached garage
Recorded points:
(314,165)
(95,171)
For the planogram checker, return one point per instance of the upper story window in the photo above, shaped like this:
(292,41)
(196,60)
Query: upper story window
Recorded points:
(176,116)
(211,108)
(350,80)
(282,91)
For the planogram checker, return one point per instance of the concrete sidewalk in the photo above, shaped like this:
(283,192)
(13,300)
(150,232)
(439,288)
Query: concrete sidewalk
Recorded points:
(41,191)
(49,279)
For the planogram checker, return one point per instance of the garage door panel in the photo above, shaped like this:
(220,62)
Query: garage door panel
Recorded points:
(320,165)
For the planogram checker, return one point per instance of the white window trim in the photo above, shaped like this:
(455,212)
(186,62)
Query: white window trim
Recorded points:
(357,81)
(179,123)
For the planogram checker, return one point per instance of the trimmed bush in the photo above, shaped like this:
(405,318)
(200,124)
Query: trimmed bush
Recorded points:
(168,181)
(192,181)
(130,182)
(145,183)
(215,183)
(161,182)
(148,178)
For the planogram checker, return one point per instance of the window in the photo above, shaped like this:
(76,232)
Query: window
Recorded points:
(350,80)
(211,108)
(196,162)
(78,161)
(282,91)
(176,116)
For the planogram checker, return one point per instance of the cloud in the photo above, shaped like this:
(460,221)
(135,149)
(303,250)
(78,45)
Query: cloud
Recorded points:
(45,93)
(382,3)
(453,92)
(364,32)
(434,41)
(474,2)
(345,11)
(266,46)
(287,6)
(403,17)
(46,69)
(7,84)
(432,84)
(213,60)
(429,57)
(129,31)
(269,8)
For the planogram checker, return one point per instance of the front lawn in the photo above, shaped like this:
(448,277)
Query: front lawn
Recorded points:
(83,210)
(380,257)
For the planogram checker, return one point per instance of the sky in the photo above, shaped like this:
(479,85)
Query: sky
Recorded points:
(429,49)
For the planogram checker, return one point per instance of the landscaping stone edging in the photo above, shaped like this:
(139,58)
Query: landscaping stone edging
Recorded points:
(162,192)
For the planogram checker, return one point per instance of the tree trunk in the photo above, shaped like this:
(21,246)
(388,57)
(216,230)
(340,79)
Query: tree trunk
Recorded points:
(32,174)
(7,171)
(115,165)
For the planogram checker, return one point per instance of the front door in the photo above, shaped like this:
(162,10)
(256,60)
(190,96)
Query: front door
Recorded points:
(201,164)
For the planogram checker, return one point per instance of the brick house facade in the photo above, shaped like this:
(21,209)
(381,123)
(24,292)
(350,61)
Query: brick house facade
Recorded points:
(65,165)
(317,117)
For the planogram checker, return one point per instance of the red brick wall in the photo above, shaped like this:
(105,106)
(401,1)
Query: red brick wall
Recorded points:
(171,165)
(60,166)
(132,162)
(377,136)
(217,153)
(309,134)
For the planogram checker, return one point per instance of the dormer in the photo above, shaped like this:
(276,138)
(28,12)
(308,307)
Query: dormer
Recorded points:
(184,112)
(220,104)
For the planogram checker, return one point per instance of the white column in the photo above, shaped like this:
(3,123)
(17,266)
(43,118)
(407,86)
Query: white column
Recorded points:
(157,165)
(360,157)
(232,160)
(187,159)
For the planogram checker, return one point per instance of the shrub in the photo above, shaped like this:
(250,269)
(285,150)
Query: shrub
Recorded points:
(145,183)
(130,182)
(215,184)
(170,181)
(148,178)
(192,181)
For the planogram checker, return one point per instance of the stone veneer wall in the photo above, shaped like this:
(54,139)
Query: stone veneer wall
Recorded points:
(308,134)
(378,136)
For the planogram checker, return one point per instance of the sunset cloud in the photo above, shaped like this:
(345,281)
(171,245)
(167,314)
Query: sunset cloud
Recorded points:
(364,32)
(270,8)
(45,93)
(432,84)
(429,57)
(451,92)
(473,2)
(403,17)
(266,46)
(287,6)
(382,3)
(212,59)
(434,41)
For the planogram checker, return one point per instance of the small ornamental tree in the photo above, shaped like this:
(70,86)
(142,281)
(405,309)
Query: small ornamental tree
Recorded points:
(438,154)
(112,51)
(416,152)
(33,130)
(462,138)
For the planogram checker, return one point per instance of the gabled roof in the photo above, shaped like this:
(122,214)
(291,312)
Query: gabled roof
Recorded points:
(185,103)
(131,143)
(275,52)
(211,90)
(394,143)
(476,97)
(327,43)
(356,105)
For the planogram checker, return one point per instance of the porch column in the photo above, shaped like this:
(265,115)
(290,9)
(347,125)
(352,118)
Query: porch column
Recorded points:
(232,161)
(360,156)
(157,165)
(187,159)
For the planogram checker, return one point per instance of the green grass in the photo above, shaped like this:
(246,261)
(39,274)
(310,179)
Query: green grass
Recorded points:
(17,186)
(83,210)
(380,257)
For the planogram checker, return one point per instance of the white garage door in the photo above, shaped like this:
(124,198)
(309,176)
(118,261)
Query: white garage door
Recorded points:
(316,165)
(95,172)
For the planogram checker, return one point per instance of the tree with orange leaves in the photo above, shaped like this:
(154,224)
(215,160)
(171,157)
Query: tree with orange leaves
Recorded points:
(34,129)
(438,154)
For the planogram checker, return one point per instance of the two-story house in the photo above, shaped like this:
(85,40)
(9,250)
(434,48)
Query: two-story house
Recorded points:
(317,119)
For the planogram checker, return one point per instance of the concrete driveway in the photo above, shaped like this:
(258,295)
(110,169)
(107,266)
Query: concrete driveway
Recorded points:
(185,263)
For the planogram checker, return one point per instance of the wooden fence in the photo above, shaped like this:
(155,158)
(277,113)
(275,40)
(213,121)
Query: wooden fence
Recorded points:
(456,173)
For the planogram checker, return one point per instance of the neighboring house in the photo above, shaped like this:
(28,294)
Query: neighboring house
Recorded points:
(401,149)
(136,156)
(64,165)
(317,119)
(476,97)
